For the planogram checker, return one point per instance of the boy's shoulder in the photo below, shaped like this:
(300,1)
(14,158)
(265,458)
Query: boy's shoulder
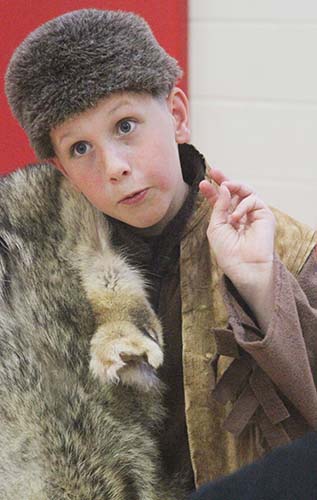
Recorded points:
(294,240)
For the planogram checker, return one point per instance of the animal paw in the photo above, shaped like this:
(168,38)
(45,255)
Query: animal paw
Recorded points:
(121,352)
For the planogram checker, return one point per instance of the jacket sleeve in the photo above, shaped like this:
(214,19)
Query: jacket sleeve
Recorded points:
(287,352)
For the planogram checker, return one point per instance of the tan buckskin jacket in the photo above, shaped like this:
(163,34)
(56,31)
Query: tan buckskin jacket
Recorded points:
(234,413)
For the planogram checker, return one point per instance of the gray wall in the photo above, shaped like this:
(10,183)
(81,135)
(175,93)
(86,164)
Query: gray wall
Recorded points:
(253,90)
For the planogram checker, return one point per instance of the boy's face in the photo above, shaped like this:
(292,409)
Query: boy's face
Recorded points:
(123,156)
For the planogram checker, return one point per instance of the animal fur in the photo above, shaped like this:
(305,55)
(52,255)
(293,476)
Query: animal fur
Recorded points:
(80,404)
(70,62)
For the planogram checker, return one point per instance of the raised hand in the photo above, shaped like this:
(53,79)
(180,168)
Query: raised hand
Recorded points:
(241,236)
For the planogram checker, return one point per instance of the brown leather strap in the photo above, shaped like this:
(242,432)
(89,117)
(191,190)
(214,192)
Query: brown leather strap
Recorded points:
(226,343)
(242,411)
(267,396)
(274,434)
(229,385)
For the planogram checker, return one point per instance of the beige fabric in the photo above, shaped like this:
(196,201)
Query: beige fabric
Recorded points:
(214,451)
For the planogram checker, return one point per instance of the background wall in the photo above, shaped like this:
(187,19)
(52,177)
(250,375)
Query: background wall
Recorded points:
(253,86)
(168,19)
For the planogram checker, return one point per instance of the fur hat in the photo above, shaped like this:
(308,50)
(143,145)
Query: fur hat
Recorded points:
(66,65)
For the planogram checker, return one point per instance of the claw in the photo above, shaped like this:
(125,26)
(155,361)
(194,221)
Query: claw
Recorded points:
(121,353)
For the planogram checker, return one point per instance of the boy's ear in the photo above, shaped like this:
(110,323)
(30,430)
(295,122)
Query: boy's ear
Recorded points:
(179,108)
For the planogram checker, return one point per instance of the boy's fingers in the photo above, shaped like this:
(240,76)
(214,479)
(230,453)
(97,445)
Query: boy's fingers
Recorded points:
(209,191)
(221,207)
(239,189)
(219,199)
(217,175)
(235,200)
(247,206)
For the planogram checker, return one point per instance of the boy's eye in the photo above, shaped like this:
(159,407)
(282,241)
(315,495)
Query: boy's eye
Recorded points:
(80,148)
(126,126)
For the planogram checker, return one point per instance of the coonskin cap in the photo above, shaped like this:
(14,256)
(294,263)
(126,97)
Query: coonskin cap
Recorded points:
(71,62)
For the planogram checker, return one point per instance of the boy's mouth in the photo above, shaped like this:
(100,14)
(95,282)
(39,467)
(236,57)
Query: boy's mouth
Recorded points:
(135,197)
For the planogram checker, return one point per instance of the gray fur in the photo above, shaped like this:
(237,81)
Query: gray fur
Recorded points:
(69,63)
(66,433)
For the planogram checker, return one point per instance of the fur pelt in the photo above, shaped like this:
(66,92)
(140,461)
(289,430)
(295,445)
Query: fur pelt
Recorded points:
(80,403)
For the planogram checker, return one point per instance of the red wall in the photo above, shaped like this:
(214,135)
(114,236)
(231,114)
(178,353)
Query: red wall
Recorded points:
(168,19)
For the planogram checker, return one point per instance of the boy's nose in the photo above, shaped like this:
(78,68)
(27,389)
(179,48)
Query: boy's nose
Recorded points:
(114,165)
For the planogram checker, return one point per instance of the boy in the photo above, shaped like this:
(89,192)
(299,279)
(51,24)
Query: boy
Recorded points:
(97,96)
